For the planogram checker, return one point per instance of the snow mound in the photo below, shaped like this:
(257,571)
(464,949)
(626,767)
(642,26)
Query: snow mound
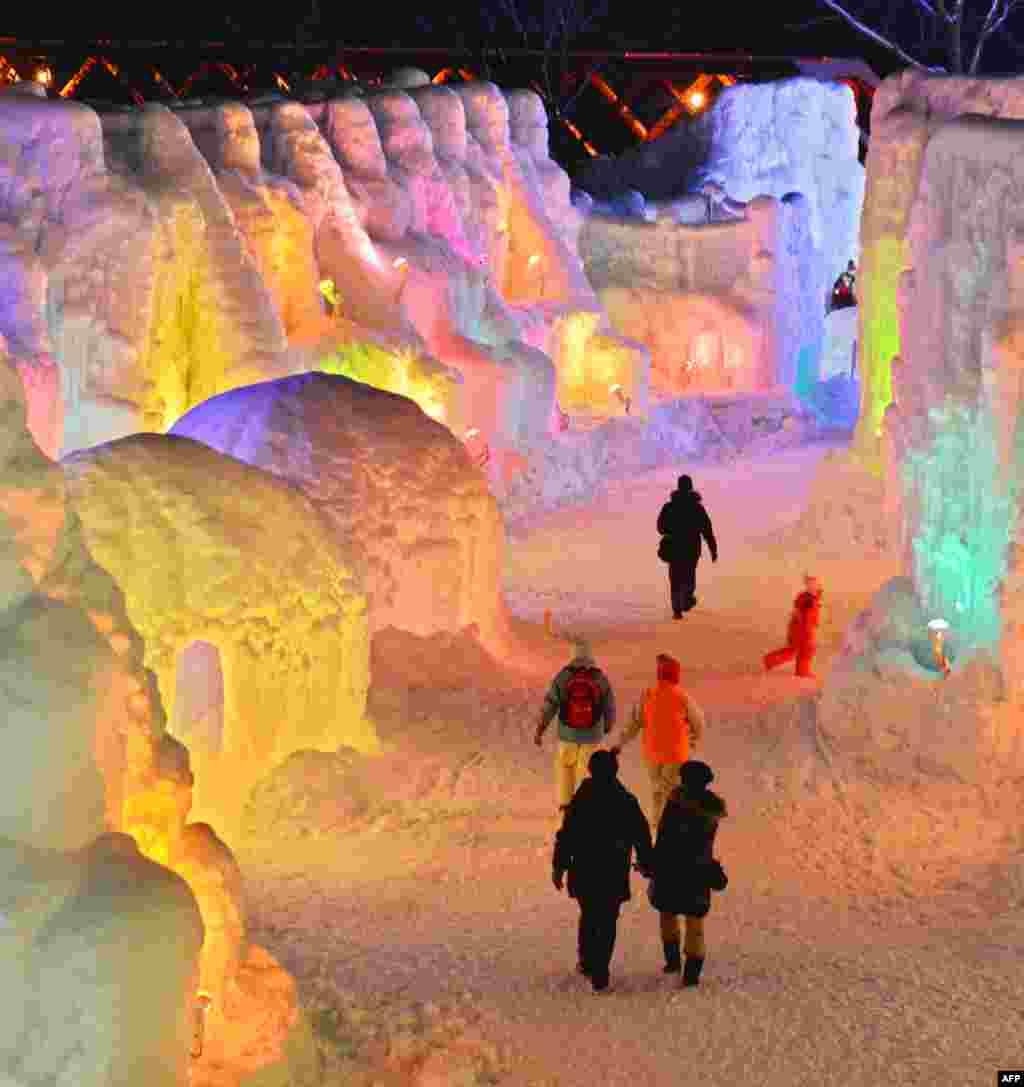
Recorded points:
(395,487)
(310,793)
(888,715)
(845,513)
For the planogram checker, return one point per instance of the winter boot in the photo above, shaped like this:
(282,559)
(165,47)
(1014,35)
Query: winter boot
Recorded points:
(673,963)
(691,971)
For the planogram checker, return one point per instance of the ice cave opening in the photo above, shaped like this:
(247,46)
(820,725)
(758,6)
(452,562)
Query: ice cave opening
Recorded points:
(198,715)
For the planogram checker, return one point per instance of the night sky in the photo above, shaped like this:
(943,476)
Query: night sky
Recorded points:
(636,24)
(789,27)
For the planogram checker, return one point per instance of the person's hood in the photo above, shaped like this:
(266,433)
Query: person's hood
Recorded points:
(706,803)
(669,669)
(581,652)
(686,496)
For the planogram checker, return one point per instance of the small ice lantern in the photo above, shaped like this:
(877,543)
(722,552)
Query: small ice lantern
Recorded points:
(937,634)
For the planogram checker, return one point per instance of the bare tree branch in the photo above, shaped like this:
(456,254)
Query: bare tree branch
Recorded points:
(550,27)
(877,38)
(928,8)
(961,29)
(991,24)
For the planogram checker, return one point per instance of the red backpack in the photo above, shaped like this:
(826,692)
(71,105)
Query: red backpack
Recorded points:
(582,698)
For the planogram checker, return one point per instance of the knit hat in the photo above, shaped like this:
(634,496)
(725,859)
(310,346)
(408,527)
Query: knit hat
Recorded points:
(604,765)
(696,775)
(685,483)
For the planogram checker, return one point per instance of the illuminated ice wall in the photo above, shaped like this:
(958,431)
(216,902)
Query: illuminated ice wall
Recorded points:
(722,307)
(951,448)
(908,108)
(222,554)
(155,258)
(120,917)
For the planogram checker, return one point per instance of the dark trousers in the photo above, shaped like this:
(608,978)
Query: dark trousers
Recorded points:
(599,918)
(682,580)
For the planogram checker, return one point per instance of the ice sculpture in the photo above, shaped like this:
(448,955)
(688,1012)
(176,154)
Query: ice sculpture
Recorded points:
(508,387)
(105,946)
(397,489)
(224,554)
(190,245)
(721,307)
(908,109)
(369,284)
(270,215)
(951,459)
(793,135)
(953,435)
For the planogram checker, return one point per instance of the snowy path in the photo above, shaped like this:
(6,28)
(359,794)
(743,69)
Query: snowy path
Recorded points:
(439,954)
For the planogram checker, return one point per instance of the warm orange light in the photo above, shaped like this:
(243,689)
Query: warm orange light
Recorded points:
(202,1008)
(400,262)
(936,634)
(43,75)
(623,110)
(589,147)
(697,99)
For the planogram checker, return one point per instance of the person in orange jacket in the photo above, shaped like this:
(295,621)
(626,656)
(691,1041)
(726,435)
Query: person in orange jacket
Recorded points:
(672,724)
(802,636)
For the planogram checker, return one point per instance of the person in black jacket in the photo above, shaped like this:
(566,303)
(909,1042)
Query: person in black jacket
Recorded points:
(685,871)
(682,522)
(601,827)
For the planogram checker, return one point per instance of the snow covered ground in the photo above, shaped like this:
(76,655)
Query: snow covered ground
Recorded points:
(869,936)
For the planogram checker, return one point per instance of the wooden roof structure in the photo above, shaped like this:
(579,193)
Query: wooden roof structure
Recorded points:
(620,98)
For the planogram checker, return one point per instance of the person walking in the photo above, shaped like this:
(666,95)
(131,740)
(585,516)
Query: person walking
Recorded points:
(802,634)
(584,702)
(672,724)
(601,829)
(682,523)
(685,870)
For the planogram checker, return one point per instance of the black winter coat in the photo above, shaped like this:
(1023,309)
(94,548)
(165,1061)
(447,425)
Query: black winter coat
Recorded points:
(604,823)
(683,855)
(684,520)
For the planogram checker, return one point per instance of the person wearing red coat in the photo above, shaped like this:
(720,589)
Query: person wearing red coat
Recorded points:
(802,637)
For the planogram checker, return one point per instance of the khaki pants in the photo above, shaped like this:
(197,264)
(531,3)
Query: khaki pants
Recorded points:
(571,767)
(664,778)
(694,942)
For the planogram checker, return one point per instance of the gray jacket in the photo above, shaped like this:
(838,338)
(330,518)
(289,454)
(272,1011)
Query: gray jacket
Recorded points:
(556,697)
